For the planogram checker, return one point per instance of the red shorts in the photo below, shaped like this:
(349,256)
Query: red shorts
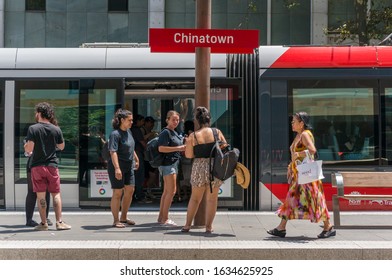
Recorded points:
(45,178)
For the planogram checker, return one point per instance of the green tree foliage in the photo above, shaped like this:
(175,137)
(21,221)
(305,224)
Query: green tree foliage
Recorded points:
(372,20)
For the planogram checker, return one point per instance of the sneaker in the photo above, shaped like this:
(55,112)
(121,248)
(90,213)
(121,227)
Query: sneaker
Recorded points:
(42,227)
(169,223)
(150,195)
(145,200)
(50,223)
(31,223)
(62,226)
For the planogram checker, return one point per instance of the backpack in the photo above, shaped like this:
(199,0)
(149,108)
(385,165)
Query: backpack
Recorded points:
(152,154)
(105,153)
(225,160)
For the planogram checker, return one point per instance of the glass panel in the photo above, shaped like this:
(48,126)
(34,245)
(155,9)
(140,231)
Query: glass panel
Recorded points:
(224,111)
(340,11)
(76,29)
(98,103)
(65,99)
(96,127)
(344,121)
(57,6)
(118,27)
(35,30)
(118,5)
(55,30)
(35,5)
(14,33)
(290,22)
(97,5)
(14,6)
(97,27)
(77,5)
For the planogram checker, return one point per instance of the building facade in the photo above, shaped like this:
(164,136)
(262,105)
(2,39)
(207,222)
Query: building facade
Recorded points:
(40,59)
(70,23)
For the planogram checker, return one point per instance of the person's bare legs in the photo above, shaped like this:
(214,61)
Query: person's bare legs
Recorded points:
(115,205)
(57,206)
(282,225)
(126,201)
(212,204)
(169,190)
(193,205)
(41,201)
(327,225)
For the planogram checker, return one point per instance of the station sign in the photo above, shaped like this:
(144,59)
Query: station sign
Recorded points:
(219,40)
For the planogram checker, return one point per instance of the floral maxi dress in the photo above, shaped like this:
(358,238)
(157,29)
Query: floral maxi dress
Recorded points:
(306,201)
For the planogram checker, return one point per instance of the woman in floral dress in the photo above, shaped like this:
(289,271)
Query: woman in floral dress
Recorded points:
(305,201)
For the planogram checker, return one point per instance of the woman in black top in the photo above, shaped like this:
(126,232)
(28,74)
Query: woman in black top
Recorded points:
(198,146)
(120,167)
(171,144)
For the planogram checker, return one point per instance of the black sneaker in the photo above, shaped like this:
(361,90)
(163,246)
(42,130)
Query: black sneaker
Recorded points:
(50,223)
(31,223)
(144,200)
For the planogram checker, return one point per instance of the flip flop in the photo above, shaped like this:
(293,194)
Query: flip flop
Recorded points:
(128,222)
(118,225)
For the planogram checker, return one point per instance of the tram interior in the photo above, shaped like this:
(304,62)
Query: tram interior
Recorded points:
(344,123)
(150,101)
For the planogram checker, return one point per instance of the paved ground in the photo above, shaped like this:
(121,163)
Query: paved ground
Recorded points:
(237,235)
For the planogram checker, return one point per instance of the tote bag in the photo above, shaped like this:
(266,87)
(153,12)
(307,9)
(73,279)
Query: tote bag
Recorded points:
(309,170)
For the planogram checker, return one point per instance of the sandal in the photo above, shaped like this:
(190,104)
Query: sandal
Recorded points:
(185,230)
(128,222)
(327,233)
(276,232)
(118,225)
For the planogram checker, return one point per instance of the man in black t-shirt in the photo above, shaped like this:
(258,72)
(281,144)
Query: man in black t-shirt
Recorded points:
(43,140)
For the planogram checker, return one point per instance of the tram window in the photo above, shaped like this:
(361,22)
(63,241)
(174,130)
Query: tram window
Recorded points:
(82,108)
(35,5)
(66,103)
(118,5)
(343,119)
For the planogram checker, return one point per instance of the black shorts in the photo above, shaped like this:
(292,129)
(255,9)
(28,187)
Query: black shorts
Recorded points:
(128,174)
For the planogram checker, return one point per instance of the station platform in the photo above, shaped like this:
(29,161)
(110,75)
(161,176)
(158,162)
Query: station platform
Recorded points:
(237,235)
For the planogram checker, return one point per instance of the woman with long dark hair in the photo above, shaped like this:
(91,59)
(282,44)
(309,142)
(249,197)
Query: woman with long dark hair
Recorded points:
(198,146)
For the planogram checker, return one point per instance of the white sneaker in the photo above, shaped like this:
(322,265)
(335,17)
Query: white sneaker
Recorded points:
(41,226)
(169,223)
(62,226)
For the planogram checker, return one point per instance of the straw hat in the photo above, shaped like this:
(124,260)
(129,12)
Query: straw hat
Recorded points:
(242,174)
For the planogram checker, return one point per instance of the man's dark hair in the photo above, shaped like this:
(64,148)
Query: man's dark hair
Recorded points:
(47,111)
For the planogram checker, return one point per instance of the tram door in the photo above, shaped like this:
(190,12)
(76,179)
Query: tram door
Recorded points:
(154,99)
(149,109)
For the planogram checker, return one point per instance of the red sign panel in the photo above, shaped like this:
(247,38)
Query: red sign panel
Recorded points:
(219,40)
